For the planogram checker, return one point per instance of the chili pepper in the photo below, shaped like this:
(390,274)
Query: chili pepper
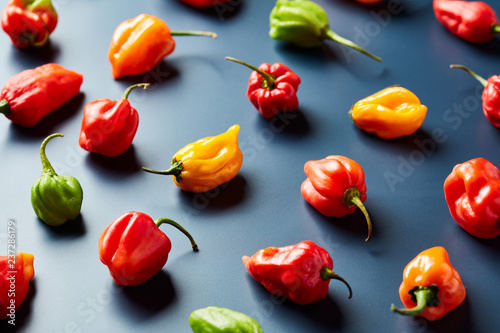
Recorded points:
(134,248)
(472,192)
(306,24)
(204,3)
(31,95)
(300,272)
(16,272)
(431,286)
(214,319)
(272,89)
(390,113)
(139,44)
(207,163)
(335,186)
(29,22)
(474,21)
(490,95)
(55,199)
(109,127)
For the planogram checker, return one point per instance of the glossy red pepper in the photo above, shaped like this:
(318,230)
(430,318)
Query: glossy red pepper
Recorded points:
(300,272)
(272,89)
(490,96)
(204,3)
(16,272)
(31,95)
(109,127)
(474,21)
(472,192)
(335,186)
(29,22)
(134,248)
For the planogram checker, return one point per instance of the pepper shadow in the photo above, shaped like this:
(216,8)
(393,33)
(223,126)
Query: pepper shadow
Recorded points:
(458,320)
(23,313)
(69,230)
(220,11)
(147,299)
(222,197)
(118,166)
(163,72)
(293,124)
(46,126)
(492,244)
(32,57)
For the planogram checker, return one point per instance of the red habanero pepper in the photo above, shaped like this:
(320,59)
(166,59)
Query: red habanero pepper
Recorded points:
(109,127)
(300,272)
(474,21)
(335,186)
(272,89)
(139,44)
(472,192)
(31,95)
(204,3)
(490,96)
(18,270)
(134,248)
(431,286)
(29,22)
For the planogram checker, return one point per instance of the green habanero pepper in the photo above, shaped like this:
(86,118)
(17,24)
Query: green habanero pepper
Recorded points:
(215,319)
(305,24)
(55,199)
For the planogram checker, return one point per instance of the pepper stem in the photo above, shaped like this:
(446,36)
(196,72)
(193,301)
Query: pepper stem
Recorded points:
(129,89)
(4,107)
(175,170)
(423,296)
(269,81)
(328,274)
(337,38)
(193,33)
(351,198)
(47,167)
(495,29)
(165,220)
(477,77)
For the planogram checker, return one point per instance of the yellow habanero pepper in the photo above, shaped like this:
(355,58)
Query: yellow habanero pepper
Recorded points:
(389,113)
(207,163)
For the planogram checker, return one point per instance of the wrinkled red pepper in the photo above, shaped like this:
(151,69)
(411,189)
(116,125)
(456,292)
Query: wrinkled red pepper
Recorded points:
(134,248)
(490,96)
(474,21)
(16,271)
(335,186)
(300,272)
(31,95)
(272,89)
(204,3)
(29,22)
(109,127)
(472,192)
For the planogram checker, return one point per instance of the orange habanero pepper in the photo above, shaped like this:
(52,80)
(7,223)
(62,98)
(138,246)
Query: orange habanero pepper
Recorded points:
(431,286)
(139,44)
(390,113)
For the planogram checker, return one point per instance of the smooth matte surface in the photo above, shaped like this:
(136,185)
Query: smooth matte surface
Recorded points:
(196,93)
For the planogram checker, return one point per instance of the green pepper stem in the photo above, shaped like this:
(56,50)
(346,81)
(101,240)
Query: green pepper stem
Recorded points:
(477,77)
(351,198)
(175,170)
(337,38)
(39,3)
(165,220)
(129,89)
(270,81)
(328,274)
(495,29)
(424,297)
(193,33)
(47,167)
(4,107)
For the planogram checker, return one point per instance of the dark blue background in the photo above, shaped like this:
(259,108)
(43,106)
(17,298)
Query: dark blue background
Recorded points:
(196,93)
